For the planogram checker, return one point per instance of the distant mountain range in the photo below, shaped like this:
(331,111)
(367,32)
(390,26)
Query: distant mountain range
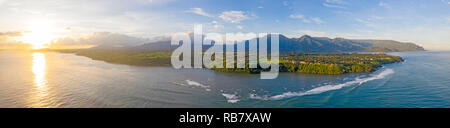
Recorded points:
(308,44)
(323,44)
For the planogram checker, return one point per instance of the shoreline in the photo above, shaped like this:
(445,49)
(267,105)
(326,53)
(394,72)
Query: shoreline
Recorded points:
(365,64)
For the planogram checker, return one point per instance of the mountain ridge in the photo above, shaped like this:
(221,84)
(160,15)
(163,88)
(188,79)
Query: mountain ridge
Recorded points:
(308,44)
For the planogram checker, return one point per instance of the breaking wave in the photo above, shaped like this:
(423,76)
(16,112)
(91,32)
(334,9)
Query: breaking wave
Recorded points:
(197,84)
(231,98)
(325,88)
(191,83)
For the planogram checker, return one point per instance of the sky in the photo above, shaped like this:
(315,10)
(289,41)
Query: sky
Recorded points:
(79,22)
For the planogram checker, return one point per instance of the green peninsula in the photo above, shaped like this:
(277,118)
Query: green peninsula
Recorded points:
(332,63)
(311,63)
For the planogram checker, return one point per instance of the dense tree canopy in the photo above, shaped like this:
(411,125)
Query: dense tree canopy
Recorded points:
(313,63)
(326,63)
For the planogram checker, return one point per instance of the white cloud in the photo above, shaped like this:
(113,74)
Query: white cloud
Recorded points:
(97,38)
(365,22)
(102,38)
(260,7)
(383,4)
(317,20)
(364,31)
(7,39)
(233,16)
(11,34)
(239,27)
(371,21)
(300,17)
(304,19)
(332,6)
(253,15)
(96,16)
(311,33)
(200,11)
(376,18)
(217,25)
(445,47)
(154,1)
(335,1)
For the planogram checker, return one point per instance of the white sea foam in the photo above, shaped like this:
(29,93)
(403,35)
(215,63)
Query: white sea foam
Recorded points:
(325,88)
(194,83)
(197,84)
(231,98)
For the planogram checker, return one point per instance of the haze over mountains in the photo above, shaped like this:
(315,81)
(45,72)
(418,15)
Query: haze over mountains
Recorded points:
(323,44)
(307,44)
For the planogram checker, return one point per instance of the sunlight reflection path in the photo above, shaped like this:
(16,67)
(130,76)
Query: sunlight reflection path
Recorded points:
(41,91)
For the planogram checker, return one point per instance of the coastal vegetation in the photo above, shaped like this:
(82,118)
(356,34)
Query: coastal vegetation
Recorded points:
(128,57)
(316,63)
(311,63)
(306,54)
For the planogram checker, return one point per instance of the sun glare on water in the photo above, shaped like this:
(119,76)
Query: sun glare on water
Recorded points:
(40,34)
(40,93)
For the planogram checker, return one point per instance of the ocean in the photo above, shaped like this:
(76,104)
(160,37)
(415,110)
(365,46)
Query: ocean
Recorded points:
(50,79)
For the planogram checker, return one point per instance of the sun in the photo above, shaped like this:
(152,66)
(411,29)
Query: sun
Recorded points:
(40,34)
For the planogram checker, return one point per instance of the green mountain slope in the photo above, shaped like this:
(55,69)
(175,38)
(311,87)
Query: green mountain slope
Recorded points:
(308,44)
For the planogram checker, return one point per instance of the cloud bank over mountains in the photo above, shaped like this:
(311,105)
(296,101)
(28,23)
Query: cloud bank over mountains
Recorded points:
(7,39)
